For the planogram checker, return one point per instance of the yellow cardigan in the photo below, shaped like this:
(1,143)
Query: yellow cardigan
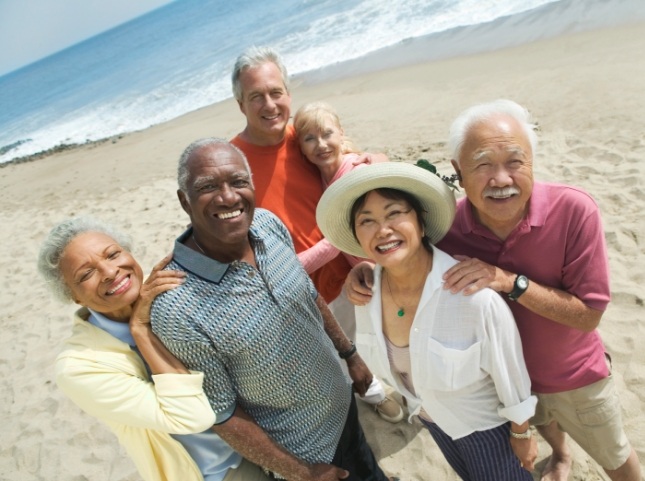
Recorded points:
(108,380)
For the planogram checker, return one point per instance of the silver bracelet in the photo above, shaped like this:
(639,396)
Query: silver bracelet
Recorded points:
(525,435)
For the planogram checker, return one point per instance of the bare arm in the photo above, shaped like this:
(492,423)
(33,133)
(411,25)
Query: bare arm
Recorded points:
(159,359)
(246,437)
(471,275)
(358,370)
(526,450)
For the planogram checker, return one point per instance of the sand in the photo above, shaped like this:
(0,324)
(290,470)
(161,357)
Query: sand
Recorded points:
(586,91)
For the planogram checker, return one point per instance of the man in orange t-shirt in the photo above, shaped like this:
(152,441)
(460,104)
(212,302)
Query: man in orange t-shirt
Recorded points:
(285,183)
(290,186)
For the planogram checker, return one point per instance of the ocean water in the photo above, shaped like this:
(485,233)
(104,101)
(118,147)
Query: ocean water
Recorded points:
(179,58)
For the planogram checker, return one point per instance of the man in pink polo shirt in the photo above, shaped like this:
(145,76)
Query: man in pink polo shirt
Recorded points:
(542,247)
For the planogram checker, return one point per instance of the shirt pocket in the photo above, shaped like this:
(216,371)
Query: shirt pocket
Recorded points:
(451,369)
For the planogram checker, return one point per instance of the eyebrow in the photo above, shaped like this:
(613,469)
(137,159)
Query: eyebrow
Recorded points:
(86,264)
(387,206)
(242,174)
(512,149)
(203,179)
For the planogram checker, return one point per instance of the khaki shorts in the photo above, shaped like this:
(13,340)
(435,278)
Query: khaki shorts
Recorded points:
(591,416)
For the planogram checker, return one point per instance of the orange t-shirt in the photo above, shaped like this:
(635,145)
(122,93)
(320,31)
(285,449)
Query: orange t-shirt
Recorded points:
(290,187)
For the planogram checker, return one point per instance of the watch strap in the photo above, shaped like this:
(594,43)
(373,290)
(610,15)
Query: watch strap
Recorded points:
(520,286)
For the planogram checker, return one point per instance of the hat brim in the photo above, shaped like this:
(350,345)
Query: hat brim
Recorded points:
(335,205)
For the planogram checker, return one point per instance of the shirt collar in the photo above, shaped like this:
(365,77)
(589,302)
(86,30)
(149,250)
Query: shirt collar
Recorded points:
(536,216)
(200,264)
(120,330)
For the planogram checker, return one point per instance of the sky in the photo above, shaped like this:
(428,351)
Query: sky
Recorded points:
(33,29)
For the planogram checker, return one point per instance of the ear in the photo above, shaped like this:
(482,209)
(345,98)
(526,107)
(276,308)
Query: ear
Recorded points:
(455,165)
(184,202)
(241,106)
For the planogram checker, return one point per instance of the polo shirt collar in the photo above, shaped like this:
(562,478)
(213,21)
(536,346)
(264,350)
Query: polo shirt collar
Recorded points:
(202,265)
(536,217)
(120,330)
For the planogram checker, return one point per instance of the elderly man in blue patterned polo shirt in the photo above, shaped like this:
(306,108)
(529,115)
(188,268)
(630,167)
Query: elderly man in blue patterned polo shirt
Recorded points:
(249,317)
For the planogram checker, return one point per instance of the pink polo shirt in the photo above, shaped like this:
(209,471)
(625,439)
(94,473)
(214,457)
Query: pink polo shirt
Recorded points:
(560,243)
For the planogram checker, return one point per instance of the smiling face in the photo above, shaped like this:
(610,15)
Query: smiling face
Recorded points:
(321,142)
(220,200)
(388,230)
(266,103)
(496,167)
(101,274)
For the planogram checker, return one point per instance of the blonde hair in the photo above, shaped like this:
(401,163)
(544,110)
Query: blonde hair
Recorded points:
(314,115)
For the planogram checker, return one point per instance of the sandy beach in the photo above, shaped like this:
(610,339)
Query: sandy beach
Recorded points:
(586,91)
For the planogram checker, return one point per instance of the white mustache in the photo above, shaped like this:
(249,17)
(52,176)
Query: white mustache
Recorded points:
(502,193)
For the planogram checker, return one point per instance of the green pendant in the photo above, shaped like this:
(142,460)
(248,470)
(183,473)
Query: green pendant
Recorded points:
(401,313)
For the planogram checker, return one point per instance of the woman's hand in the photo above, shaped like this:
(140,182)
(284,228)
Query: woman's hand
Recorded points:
(157,282)
(368,158)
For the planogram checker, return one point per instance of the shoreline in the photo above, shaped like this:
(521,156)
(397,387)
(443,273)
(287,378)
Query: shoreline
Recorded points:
(586,92)
(554,20)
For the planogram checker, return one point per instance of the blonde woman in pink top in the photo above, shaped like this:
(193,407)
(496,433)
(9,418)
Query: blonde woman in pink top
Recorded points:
(324,144)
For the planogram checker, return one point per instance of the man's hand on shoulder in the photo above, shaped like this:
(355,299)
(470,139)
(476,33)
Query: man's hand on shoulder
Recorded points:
(472,275)
(359,282)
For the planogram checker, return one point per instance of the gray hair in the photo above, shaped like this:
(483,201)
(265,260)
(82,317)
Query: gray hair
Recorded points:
(182,166)
(254,57)
(52,248)
(486,111)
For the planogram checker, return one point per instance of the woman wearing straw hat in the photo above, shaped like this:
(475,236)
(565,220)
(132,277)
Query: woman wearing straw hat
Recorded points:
(457,359)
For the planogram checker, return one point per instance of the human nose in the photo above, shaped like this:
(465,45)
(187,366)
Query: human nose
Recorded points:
(384,229)
(108,270)
(227,195)
(269,103)
(501,177)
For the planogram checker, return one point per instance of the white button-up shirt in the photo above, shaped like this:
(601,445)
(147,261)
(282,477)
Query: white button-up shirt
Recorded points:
(467,364)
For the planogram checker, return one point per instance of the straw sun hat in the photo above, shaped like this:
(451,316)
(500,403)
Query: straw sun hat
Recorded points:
(334,208)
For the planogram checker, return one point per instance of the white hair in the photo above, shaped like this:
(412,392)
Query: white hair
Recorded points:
(52,248)
(182,166)
(464,122)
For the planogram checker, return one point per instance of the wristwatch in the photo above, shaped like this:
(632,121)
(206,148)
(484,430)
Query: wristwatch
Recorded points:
(520,285)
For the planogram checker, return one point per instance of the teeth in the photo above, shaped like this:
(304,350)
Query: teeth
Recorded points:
(229,215)
(121,284)
(388,246)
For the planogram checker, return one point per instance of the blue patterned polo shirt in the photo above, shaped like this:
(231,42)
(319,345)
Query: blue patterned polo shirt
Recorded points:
(259,338)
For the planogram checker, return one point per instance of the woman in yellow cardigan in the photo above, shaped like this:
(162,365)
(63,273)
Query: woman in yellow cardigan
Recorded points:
(115,369)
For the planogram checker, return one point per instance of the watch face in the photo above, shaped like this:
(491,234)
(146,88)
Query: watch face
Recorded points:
(522,282)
